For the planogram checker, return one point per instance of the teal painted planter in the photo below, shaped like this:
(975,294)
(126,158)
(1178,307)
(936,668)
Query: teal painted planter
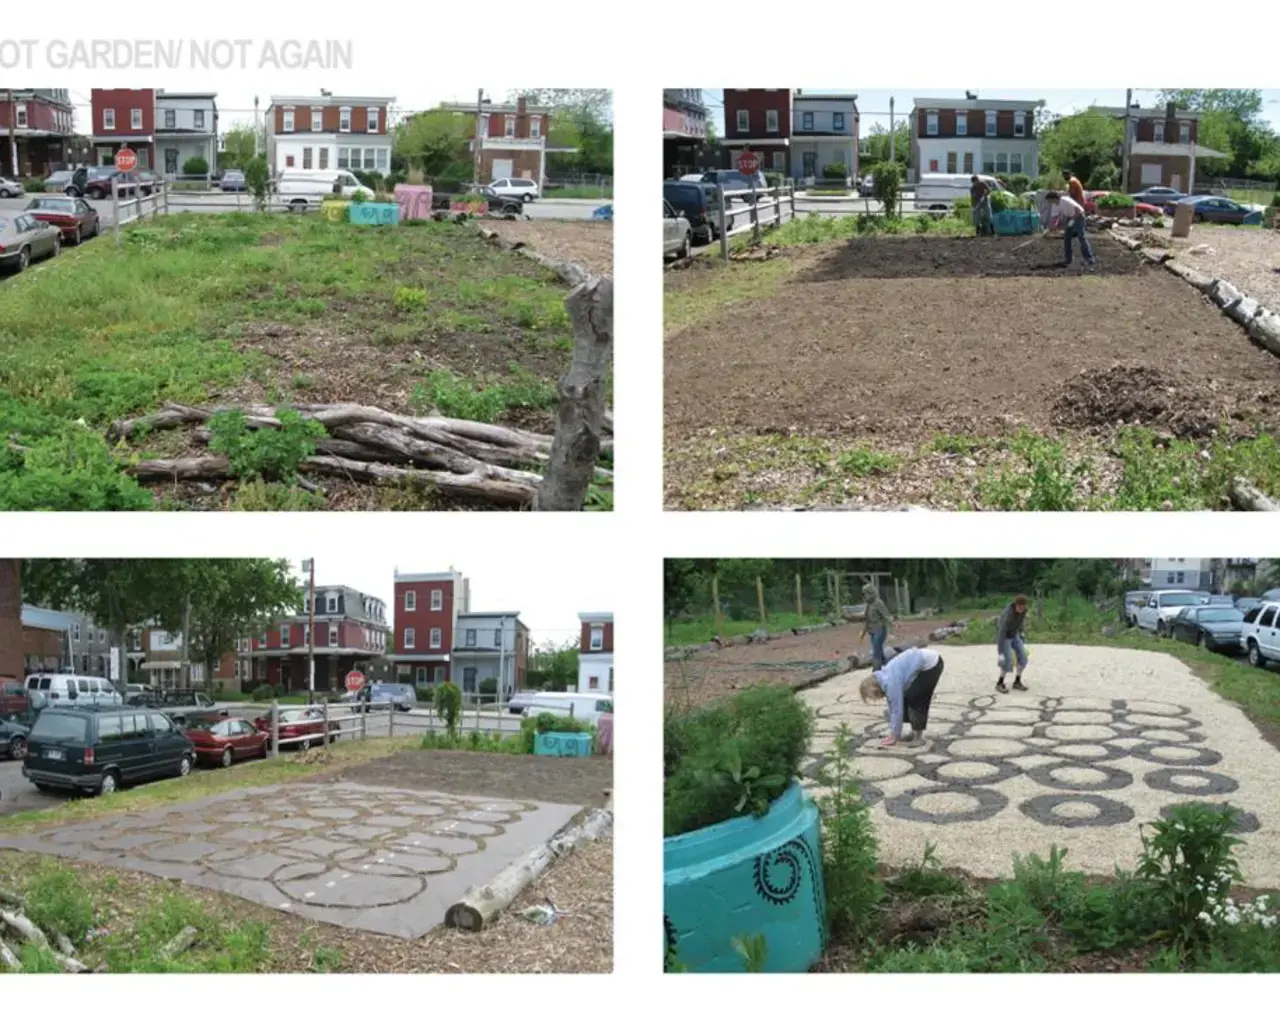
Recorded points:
(749,876)
(562,744)
(375,213)
(1016,222)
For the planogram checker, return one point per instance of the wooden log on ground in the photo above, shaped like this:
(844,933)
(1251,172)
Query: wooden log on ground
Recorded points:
(69,963)
(12,899)
(1249,498)
(191,467)
(181,942)
(64,944)
(476,486)
(8,957)
(22,926)
(580,416)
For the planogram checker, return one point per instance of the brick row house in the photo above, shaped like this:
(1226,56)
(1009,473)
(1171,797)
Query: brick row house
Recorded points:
(512,138)
(1163,147)
(43,130)
(123,118)
(758,120)
(595,653)
(684,131)
(974,136)
(327,132)
(438,638)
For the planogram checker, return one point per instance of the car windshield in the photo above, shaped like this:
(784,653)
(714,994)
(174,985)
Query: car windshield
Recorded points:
(1178,600)
(50,203)
(102,172)
(1221,615)
(59,729)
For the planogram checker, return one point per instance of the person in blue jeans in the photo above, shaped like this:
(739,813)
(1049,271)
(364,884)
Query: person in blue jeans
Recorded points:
(1011,641)
(1070,215)
(876,624)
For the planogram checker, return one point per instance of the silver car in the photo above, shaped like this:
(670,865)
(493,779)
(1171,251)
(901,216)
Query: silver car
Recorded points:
(677,234)
(23,239)
(9,187)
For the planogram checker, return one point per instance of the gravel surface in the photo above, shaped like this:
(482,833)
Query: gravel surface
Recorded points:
(1103,741)
(1248,258)
(587,242)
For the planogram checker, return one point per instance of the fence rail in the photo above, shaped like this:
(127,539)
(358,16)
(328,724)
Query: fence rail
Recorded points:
(766,208)
(378,720)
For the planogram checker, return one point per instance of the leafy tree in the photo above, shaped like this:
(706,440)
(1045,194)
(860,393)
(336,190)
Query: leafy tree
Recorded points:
(886,186)
(1088,142)
(257,179)
(239,147)
(877,140)
(582,120)
(433,141)
(554,667)
(1231,122)
(679,584)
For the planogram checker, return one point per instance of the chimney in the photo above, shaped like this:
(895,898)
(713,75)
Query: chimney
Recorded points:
(522,106)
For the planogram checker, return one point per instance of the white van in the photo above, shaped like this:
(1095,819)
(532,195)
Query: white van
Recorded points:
(582,706)
(940,191)
(56,689)
(301,189)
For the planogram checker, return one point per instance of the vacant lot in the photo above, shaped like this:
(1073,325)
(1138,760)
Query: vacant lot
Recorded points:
(248,309)
(970,373)
(1247,257)
(587,242)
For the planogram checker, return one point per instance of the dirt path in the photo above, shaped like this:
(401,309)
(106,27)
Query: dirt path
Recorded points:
(587,242)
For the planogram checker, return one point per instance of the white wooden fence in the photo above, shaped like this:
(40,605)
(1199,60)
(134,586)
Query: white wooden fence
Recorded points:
(755,211)
(378,720)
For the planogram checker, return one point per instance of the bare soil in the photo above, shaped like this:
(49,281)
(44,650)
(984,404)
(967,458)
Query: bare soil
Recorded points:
(587,242)
(894,340)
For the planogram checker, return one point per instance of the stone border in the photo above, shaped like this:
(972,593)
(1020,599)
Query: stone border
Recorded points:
(760,636)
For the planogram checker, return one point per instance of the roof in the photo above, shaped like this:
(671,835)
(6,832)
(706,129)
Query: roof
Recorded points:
(596,616)
(488,615)
(426,577)
(1144,112)
(489,107)
(951,103)
(164,94)
(331,101)
(1174,149)
(843,97)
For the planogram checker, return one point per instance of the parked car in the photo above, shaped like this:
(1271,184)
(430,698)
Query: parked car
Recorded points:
(149,182)
(1163,605)
(303,725)
(13,739)
(867,185)
(222,741)
(1248,604)
(1134,600)
(402,696)
(736,181)
(10,188)
(938,192)
(603,212)
(1224,600)
(1159,195)
(232,181)
(60,181)
(98,750)
(301,189)
(1220,210)
(581,706)
(692,201)
(75,218)
(1260,633)
(13,698)
(696,176)
(101,182)
(1091,205)
(677,235)
(524,189)
(53,689)
(23,239)
(1214,627)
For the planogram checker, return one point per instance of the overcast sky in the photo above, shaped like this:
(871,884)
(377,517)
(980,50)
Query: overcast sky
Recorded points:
(873,104)
(547,589)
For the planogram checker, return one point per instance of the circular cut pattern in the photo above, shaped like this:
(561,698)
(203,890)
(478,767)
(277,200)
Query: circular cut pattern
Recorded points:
(969,773)
(1082,718)
(1166,736)
(1044,809)
(1190,782)
(1083,704)
(1162,721)
(1080,778)
(984,804)
(1080,733)
(1176,755)
(982,747)
(1245,821)
(1156,707)
(879,768)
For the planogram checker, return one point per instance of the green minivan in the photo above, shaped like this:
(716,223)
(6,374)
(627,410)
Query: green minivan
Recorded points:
(98,750)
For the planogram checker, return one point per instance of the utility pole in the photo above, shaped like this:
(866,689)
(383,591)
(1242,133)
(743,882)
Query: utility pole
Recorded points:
(479,135)
(255,126)
(186,641)
(13,138)
(1124,172)
(309,566)
(891,140)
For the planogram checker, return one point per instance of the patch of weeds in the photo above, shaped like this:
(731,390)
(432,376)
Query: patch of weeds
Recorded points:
(409,300)
(926,878)
(238,949)
(1040,478)
(458,397)
(38,960)
(57,902)
(849,846)
(325,960)
(753,950)
(865,462)
(913,959)
(71,470)
(961,444)
(258,495)
(269,453)
(1014,936)
(303,382)
(599,499)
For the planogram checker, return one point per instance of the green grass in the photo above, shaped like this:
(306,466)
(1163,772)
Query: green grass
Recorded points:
(105,331)
(461,398)
(815,228)
(715,286)
(1261,197)
(573,192)
(688,632)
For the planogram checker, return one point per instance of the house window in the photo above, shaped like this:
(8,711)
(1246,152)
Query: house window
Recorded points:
(988,163)
(806,121)
(968,163)
(262,640)
(931,123)
(771,121)
(597,639)
(437,600)
(535,127)
(962,123)
(135,119)
(408,639)
(779,160)
(435,639)
(471,638)
(382,159)
(198,118)
(331,603)
(951,163)
(171,119)
(439,673)
(837,122)
(317,119)
(991,122)
(109,120)
(283,639)
(22,115)
(344,119)
(102,636)
(509,128)
(744,120)
(593,682)
(1184,132)
(333,635)
(1020,123)
(1002,163)
(1015,163)
(933,166)
(288,160)
(1158,131)
(324,158)
(306,159)
(497,638)
(1179,577)
(288,121)
(411,600)
(344,157)
(372,113)
(370,156)
(421,676)
(75,632)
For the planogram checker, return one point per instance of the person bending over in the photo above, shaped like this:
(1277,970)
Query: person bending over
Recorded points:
(907,683)
(1070,215)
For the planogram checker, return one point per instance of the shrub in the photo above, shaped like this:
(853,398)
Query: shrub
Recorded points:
(426,695)
(774,178)
(848,846)
(1114,201)
(1105,178)
(732,757)
(963,207)
(1018,183)
(257,179)
(268,453)
(887,186)
(488,687)
(448,705)
(71,471)
(262,693)
(196,165)
(835,171)
(33,184)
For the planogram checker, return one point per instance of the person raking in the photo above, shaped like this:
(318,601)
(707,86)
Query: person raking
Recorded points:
(907,683)
(876,624)
(1070,215)
(1011,641)
(980,196)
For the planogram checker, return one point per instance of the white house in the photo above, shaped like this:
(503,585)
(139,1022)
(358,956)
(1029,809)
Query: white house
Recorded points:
(490,645)
(327,132)
(186,127)
(1192,573)
(595,652)
(974,136)
(824,131)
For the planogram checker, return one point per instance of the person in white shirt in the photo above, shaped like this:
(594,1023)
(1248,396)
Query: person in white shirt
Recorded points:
(907,683)
(1070,214)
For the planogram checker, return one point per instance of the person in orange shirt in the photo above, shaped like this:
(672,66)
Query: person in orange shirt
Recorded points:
(1074,189)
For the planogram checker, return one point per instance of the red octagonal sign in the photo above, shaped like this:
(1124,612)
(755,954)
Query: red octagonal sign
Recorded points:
(354,680)
(748,163)
(126,159)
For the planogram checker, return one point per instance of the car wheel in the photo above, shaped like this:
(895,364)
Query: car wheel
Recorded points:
(5,194)
(24,259)
(184,766)
(305,744)
(527,198)
(77,238)
(227,757)
(688,243)
(57,247)
(109,784)
(17,748)
(1255,656)
(1204,641)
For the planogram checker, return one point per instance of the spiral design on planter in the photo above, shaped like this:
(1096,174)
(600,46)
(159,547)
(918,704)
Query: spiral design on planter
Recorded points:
(787,855)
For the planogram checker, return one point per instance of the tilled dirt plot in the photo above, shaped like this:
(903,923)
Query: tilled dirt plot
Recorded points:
(585,241)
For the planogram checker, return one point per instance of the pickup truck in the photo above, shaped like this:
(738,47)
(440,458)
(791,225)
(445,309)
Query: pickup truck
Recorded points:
(1163,605)
(1260,633)
(443,203)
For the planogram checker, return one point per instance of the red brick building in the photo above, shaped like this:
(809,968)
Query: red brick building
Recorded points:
(758,120)
(513,139)
(328,132)
(11,640)
(595,652)
(123,117)
(427,606)
(43,127)
(1163,147)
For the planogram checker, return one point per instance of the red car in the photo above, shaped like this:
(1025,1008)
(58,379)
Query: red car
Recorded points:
(221,741)
(75,218)
(298,722)
(1091,205)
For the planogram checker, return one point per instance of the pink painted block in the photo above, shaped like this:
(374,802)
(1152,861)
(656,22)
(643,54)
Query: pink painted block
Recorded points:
(604,734)
(414,202)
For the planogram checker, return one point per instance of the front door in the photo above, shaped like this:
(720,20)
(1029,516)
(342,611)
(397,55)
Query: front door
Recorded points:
(503,169)
(170,161)
(1175,182)
(811,164)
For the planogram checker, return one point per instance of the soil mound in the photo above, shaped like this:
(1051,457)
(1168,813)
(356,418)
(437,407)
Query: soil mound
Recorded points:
(1139,396)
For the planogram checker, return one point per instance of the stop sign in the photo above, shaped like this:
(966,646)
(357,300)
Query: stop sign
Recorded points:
(748,163)
(126,159)
(355,680)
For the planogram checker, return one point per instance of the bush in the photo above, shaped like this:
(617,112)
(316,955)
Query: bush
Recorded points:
(33,184)
(1002,201)
(774,178)
(963,207)
(197,165)
(257,179)
(1105,178)
(71,471)
(549,722)
(1018,183)
(488,687)
(887,186)
(835,171)
(1114,201)
(426,695)
(262,693)
(733,757)
(448,705)
(273,454)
